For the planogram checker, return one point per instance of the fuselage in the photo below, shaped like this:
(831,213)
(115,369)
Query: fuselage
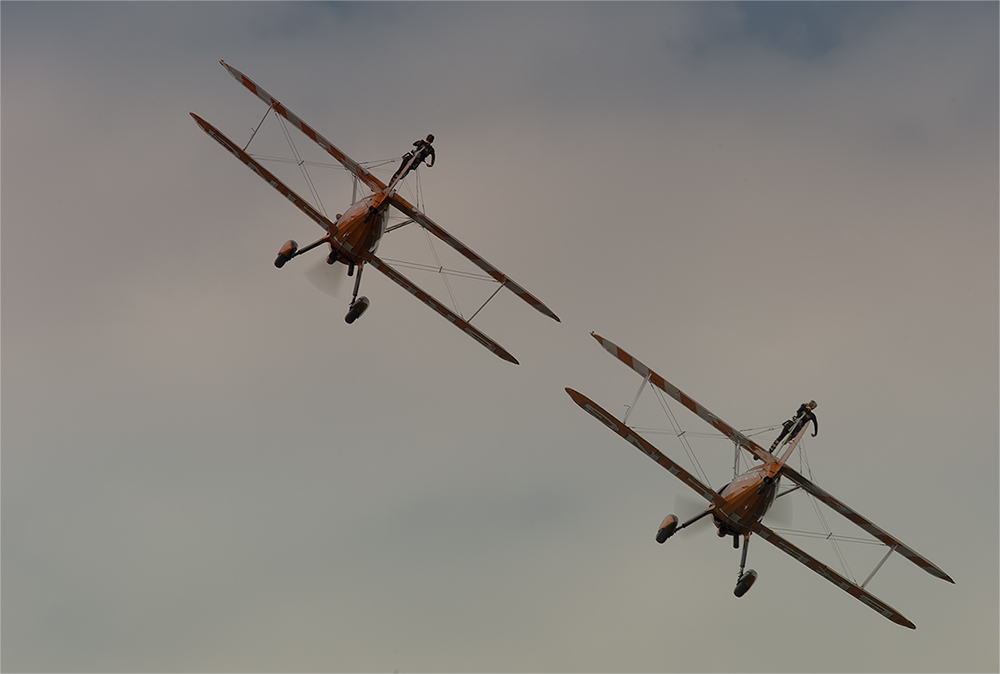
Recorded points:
(362,225)
(747,498)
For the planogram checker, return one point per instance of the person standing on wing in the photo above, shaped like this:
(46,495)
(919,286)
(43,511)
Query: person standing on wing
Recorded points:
(803,416)
(423,150)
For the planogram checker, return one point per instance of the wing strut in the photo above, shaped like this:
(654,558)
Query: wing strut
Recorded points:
(644,446)
(354,167)
(865,524)
(411,212)
(853,589)
(684,399)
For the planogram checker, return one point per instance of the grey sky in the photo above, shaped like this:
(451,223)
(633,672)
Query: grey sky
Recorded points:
(205,469)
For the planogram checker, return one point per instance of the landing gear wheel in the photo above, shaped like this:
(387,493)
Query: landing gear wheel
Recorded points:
(358,307)
(287,252)
(745,582)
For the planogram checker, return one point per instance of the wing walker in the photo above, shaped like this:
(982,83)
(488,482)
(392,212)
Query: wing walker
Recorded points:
(354,236)
(737,509)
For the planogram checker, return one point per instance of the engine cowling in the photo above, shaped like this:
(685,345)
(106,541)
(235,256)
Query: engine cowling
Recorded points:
(667,528)
(286,253)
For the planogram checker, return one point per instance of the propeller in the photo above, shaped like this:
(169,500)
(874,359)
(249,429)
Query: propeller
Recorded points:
(327,278)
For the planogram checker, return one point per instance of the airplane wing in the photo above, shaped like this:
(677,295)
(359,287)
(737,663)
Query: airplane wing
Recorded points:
(354,167)
(266,175)
(644,446)
(444,311)
(852,589)
(438,231)
(377,185)
(865,524)
(352,253)
(684,399)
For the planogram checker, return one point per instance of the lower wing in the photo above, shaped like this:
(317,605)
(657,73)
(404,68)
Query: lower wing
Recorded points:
(853,589)
(438,231)
(434,304)
(867,525)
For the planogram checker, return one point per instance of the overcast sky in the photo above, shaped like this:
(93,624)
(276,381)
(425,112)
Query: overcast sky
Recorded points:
(205,469)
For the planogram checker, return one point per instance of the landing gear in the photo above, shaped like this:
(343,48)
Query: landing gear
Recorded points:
(359,305)
(745,583)
(746,580)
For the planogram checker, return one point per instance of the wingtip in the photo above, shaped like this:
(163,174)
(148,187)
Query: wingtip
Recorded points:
(577,397)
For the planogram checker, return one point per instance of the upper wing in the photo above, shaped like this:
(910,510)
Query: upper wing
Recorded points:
(435,229)
(865,524)
(447,313)
(644,446)
(348,163)
(852,589)
(686,400)
(266,175)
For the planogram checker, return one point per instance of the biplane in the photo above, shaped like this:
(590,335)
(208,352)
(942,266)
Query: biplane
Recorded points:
(353,237)
(738,507)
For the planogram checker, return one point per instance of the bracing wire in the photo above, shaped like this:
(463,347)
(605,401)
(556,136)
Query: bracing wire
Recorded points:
(829,535)
(832,537)
(301,164)
(447,284)
(681,435)
(439,270)
(417,192)
(419,196)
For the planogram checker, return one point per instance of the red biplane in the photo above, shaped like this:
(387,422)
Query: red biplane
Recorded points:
(354,236)
(737,509)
